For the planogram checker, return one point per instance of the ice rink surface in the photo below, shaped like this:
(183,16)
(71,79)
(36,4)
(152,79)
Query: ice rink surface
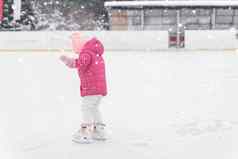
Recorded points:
(161,105)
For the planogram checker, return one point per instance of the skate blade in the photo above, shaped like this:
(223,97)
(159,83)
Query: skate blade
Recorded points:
(81,141)
(100,139)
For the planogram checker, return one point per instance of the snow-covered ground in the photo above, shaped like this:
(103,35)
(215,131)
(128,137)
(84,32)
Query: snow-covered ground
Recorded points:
(161,105)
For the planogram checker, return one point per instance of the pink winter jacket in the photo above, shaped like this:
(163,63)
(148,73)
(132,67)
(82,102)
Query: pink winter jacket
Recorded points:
(91,69)
(1,9)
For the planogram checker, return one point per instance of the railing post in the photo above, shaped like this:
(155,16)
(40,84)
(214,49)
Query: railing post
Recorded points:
(213,18)
(178,29)
(142,18)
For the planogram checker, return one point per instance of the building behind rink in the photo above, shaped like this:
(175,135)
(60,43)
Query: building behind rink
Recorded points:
(174,16)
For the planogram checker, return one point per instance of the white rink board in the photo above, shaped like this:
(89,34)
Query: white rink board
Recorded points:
(118,40)
(56,40)
(211,40)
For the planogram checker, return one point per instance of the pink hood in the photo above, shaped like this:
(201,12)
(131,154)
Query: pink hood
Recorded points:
(93,45)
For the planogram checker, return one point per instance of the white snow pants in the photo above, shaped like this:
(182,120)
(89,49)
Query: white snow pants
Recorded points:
(90,109)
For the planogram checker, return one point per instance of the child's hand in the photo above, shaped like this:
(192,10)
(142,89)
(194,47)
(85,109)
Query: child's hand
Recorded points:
(68,61)
(63,58)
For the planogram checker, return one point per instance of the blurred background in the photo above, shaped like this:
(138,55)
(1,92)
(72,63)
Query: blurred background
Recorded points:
(54,15)
(98,15)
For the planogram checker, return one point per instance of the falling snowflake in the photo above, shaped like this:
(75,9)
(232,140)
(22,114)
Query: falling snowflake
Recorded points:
(20,60)
(180,25)
(194,11)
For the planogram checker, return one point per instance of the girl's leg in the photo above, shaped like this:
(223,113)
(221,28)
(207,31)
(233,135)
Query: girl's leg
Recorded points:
(90,109)
(98,132)
(86,110)
(92,126)
(84,135)
(97,116)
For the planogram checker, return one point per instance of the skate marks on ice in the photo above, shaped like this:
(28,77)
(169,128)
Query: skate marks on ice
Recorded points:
(42,143)
(62,147)
(120,145)
(126,137)
(35,147)
(136,141)
(38,144)
(133,138)
(142,143)
(203,127)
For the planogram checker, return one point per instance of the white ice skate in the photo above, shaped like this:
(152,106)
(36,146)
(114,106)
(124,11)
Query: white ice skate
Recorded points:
(83,136)
(98,132)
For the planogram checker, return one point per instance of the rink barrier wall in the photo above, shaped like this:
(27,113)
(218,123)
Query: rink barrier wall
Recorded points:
(56,41)
(211,40)
(60,40)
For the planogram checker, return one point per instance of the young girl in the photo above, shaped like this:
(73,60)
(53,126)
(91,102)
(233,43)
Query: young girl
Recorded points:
(91,70)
